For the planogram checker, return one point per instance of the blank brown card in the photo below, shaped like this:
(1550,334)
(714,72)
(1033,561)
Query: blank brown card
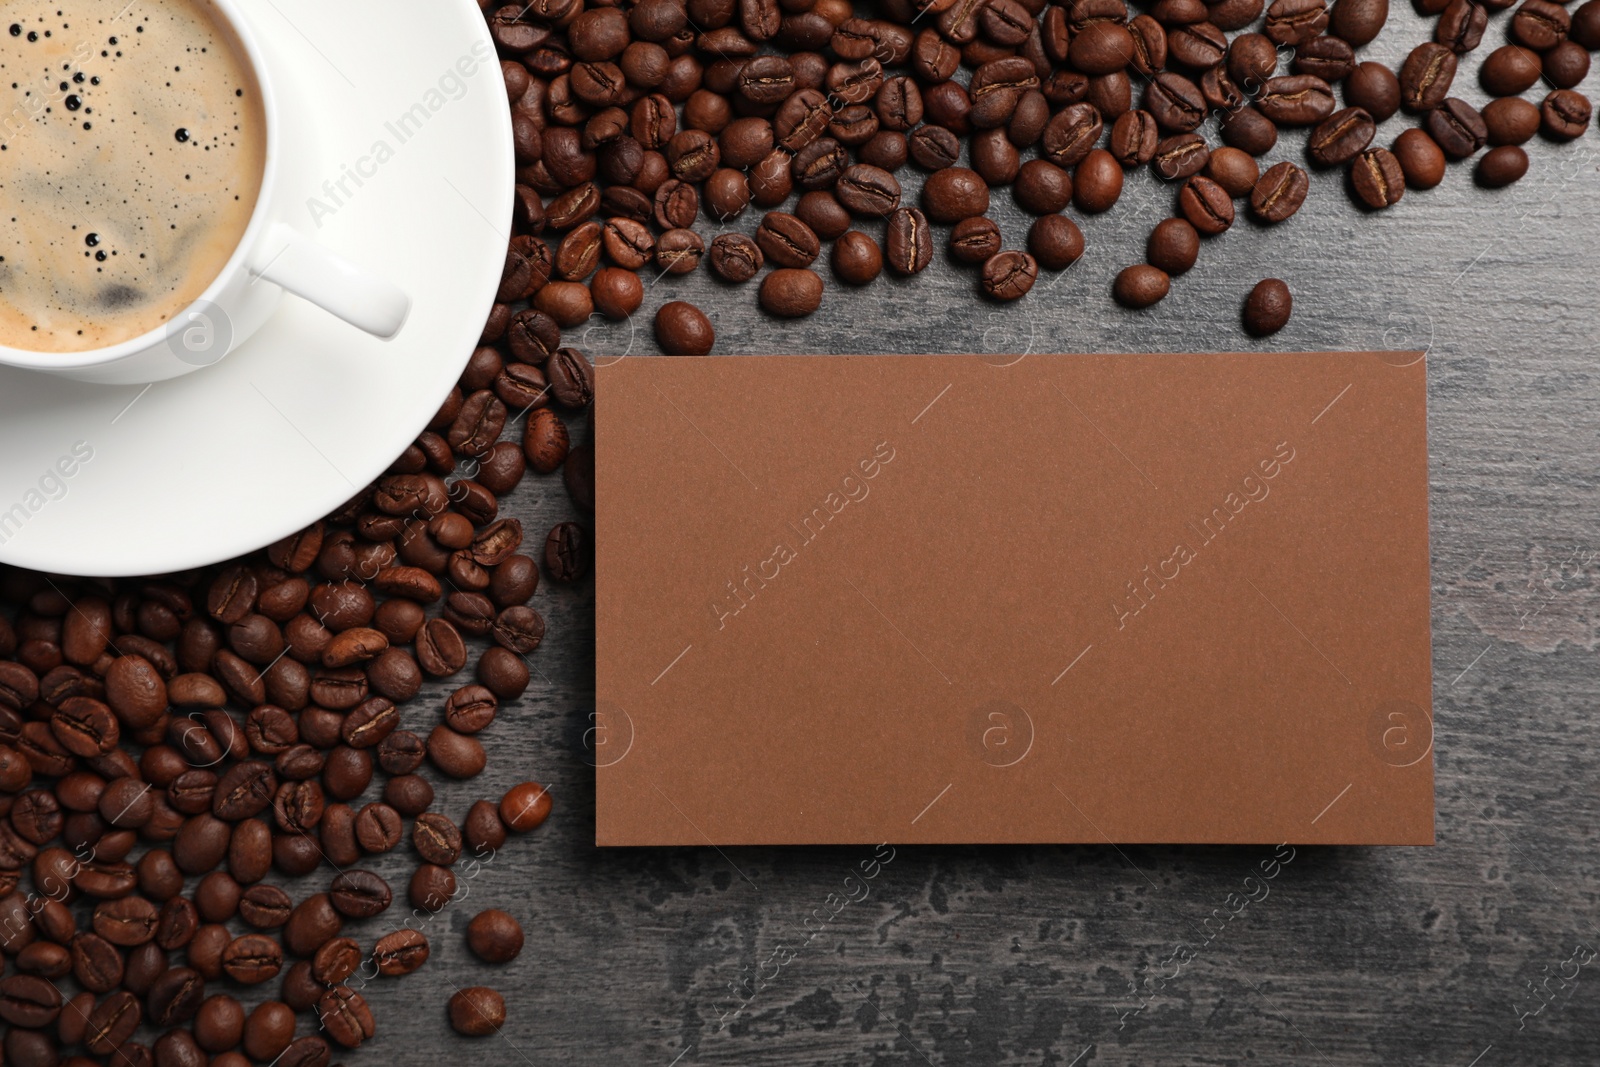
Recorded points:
(1135,598)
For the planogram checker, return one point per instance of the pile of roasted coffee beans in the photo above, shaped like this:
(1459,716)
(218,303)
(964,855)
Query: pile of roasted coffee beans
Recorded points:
(640,126)
(176,750)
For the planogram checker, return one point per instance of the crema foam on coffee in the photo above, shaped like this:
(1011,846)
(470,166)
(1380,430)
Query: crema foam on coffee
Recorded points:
(131,154)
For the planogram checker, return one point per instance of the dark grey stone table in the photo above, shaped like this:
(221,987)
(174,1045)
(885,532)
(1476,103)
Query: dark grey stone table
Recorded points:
(1476,951)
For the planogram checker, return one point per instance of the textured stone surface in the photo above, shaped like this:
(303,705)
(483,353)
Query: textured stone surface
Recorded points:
(1035,955)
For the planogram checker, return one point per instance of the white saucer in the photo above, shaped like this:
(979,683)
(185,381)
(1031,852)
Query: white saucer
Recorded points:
(232,457)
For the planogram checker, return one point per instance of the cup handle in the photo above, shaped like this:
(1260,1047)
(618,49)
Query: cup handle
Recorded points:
(293,261)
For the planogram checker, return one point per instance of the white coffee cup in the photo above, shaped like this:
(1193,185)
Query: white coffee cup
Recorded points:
(270,258)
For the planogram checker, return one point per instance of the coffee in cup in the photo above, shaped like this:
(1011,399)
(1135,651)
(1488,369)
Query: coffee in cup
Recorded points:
(131,158)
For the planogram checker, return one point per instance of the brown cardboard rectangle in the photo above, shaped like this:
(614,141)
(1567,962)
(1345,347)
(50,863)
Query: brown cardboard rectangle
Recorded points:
(963,599)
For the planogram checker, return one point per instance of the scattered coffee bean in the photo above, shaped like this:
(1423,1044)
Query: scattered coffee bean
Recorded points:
(1267,308)
(856,258)
(683,329)
(1173,247)
(1140,285)
(1456,127)
(525,806)
(1420,159)
(1378,178)
(494,936)
(1055,241)
(1510,121)
(1501,166)
(477,1011)
(791,293)
(1008,276)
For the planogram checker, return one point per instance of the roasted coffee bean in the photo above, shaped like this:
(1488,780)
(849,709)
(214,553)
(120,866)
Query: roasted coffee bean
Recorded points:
(1180,156)
(1341,136)
(1511,121)
(1097,183)
(219,1024)
(477,1011)
(28,1000)
(1250,131)
(378,827)
(311,924)
(471,613)
(1008,276)
(1566,65)
(252,959)
(483,832)
(1509,70)
(112,1022)
(1374,88)
(974,240)
(456,755)
(1176,102)
(1357,22)
(786,241)
(269,1029)
(136,692)
(1042,188)
(679,251)
(1565,114)
(336,960)
(1377,178)
(1539,25)
(1252,59)
(127,922)
(1234,170)
(494,936)
(1071,134)
(683,330)
(954,193)
(410,794)
(400,753)
(400,952)
(933,147)
(524,806)
(36,814)
(175,997)
(440,650)
(735,257)
(1133,138)
(344,1014)
(1267,308)
(1326,57)
(791,293)
(1461,25)
(1206,205)
(244,790)
(1055,242)
(432,887)
(1296,100)
(1173,247)
(514,581)
(1294,22)
(862,189)
(1456,127)
(1420,159)
(436,839)
(265,907)
(821,211)
(1501,166)
(677,205)
(1426,75)
(1279,193)
(856,258)
(1140,286)
(1586,26)
(571,378)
